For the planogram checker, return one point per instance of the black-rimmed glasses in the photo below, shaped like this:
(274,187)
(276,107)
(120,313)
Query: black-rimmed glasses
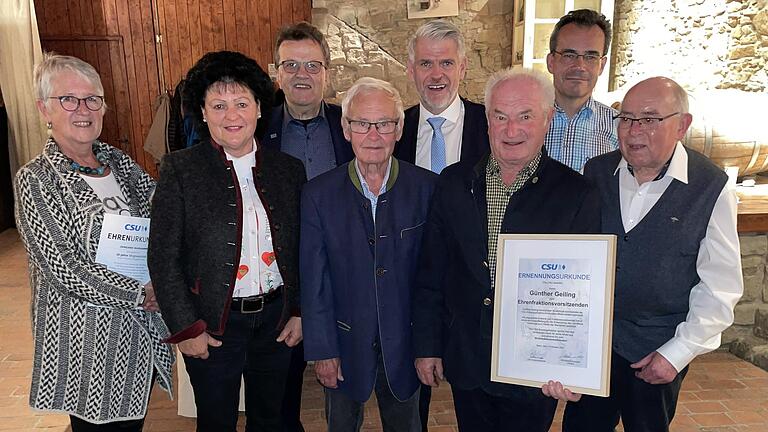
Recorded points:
(570,57)
(625,122)
(72,103)
(383,127)
(293,66)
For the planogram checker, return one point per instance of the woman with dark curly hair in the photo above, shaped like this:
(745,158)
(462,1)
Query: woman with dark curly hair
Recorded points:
(223,248)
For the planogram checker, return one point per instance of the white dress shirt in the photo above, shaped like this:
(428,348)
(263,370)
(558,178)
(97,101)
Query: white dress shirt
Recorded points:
(452,129)
(257,272)
(712,300)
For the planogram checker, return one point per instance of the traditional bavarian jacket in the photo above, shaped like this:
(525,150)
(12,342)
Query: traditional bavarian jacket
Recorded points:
(95,351)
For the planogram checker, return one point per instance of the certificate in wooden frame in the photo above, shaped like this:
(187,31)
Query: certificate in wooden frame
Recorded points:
(553,310)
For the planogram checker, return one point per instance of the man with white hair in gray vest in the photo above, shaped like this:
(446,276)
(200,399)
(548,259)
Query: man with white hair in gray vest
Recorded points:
(678,266)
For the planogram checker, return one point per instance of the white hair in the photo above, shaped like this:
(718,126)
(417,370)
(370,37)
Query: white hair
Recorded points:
(437,30)
(366,84)
(53,64)
(522,74)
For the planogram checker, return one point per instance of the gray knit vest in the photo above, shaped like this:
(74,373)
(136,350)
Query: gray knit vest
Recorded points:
(656,260)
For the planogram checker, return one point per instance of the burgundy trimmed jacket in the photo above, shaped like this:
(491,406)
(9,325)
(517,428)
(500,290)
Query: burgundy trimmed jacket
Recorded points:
(196,231)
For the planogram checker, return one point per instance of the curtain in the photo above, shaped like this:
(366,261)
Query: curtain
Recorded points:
(19,51)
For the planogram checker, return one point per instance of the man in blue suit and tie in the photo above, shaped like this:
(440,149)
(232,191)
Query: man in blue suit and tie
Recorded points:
(361,227)
(443,128)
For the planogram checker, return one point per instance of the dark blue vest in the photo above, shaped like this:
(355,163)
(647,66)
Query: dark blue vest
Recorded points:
(656,260)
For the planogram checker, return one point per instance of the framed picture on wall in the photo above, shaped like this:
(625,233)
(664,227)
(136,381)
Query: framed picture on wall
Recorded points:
(432,8)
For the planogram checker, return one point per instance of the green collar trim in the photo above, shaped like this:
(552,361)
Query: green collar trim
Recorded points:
(394,169)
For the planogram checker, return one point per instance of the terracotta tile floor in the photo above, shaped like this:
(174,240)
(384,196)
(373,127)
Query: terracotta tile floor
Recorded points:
(721,392)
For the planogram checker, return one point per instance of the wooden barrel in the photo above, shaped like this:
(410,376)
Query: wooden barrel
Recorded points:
(729,126)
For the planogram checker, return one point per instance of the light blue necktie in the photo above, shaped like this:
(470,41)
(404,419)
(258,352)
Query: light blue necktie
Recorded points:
(438,144)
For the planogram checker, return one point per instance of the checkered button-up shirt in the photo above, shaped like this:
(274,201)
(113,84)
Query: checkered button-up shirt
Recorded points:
(497,194)
(591,132)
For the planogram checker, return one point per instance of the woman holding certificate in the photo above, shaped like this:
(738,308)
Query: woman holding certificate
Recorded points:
(223,251)
(97,333)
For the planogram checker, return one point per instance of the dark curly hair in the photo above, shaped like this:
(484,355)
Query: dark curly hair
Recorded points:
(582,18)
(227,67)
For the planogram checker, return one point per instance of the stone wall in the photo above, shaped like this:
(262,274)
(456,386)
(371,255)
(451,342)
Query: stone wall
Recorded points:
(369,38)
(754,257)
(704,44)
(748,337)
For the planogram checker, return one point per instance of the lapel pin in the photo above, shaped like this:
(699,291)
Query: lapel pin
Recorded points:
(674,219)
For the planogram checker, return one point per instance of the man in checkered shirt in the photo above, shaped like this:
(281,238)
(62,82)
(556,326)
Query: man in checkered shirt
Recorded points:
(582,127)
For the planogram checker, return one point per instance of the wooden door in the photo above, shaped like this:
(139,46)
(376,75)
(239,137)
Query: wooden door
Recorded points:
(117,38)
(191,28)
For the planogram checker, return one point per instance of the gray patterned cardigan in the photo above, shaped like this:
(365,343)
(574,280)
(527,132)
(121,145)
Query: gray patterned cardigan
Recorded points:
(95,352)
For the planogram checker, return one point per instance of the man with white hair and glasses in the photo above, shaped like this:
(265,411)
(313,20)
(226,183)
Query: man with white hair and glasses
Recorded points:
(678,264)
(361,229)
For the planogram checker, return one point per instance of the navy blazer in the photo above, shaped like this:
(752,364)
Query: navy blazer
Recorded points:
(357,276)
(450,319)
(342,149)
(474,137)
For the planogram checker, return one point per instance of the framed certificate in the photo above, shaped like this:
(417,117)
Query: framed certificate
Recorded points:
(553,315)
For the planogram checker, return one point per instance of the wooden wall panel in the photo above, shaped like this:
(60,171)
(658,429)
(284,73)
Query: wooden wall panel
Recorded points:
(106,55)
(118,38)
(191,28)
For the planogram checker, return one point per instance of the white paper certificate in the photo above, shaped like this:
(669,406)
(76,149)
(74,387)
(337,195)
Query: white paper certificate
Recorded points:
(553,311)
(123,245)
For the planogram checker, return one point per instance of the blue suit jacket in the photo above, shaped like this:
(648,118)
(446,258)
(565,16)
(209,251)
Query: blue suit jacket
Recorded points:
(450,319)
(342,149)
(474,137)
(357,277)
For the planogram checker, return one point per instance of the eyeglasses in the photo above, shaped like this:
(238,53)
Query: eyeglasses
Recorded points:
(570,57)
(644,123)
(382,127)
(72,103)
(293,66)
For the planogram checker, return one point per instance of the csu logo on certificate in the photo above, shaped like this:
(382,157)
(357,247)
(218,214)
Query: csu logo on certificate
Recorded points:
(549,266)
(135,227)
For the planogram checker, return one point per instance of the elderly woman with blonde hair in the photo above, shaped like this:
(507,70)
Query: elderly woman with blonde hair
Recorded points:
(97,333)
